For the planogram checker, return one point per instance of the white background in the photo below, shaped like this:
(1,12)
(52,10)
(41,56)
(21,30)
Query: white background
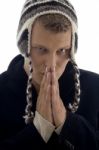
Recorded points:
(87,56)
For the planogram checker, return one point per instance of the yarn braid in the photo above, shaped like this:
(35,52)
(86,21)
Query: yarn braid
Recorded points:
(73,107)
(29,114)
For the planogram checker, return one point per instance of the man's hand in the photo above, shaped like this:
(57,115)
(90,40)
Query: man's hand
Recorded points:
(49,103)
(58,108)
(43,105)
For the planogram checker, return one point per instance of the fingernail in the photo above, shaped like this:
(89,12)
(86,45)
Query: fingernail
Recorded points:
(46,69)
(53,69)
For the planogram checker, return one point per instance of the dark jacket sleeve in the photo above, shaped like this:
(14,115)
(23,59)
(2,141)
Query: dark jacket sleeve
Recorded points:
(28,138)
(78,134)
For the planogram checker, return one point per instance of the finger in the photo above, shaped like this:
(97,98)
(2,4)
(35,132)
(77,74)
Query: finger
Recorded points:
(54,86)
(55,82)
(53,77)
(44,78)
(41,92)
(44,94)
(48,87)
(45,83)
(53,93)
(48,97)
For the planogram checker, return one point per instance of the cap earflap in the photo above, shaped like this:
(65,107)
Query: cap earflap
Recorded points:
(23,43)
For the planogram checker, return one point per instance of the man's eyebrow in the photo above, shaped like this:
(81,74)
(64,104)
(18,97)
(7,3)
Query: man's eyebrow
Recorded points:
(42,46)
(39,45)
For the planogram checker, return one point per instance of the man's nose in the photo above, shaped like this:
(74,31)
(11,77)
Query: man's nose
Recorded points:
(51,62)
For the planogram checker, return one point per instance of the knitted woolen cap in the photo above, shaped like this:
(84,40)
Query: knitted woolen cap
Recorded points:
(32,9)
(35,8)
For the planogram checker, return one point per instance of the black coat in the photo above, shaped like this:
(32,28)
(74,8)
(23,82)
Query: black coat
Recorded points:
(81,129)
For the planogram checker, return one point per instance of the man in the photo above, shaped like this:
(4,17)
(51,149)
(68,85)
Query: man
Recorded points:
(60,101)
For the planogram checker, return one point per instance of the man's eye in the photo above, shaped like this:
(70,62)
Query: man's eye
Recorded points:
(62,51)
(40,49)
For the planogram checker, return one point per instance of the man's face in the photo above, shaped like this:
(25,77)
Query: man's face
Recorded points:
(49,49)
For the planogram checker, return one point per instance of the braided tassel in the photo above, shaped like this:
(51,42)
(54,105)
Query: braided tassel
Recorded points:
(29,114)
(73,107)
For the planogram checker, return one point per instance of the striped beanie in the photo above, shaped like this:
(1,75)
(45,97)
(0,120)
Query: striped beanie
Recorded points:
(32,9)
